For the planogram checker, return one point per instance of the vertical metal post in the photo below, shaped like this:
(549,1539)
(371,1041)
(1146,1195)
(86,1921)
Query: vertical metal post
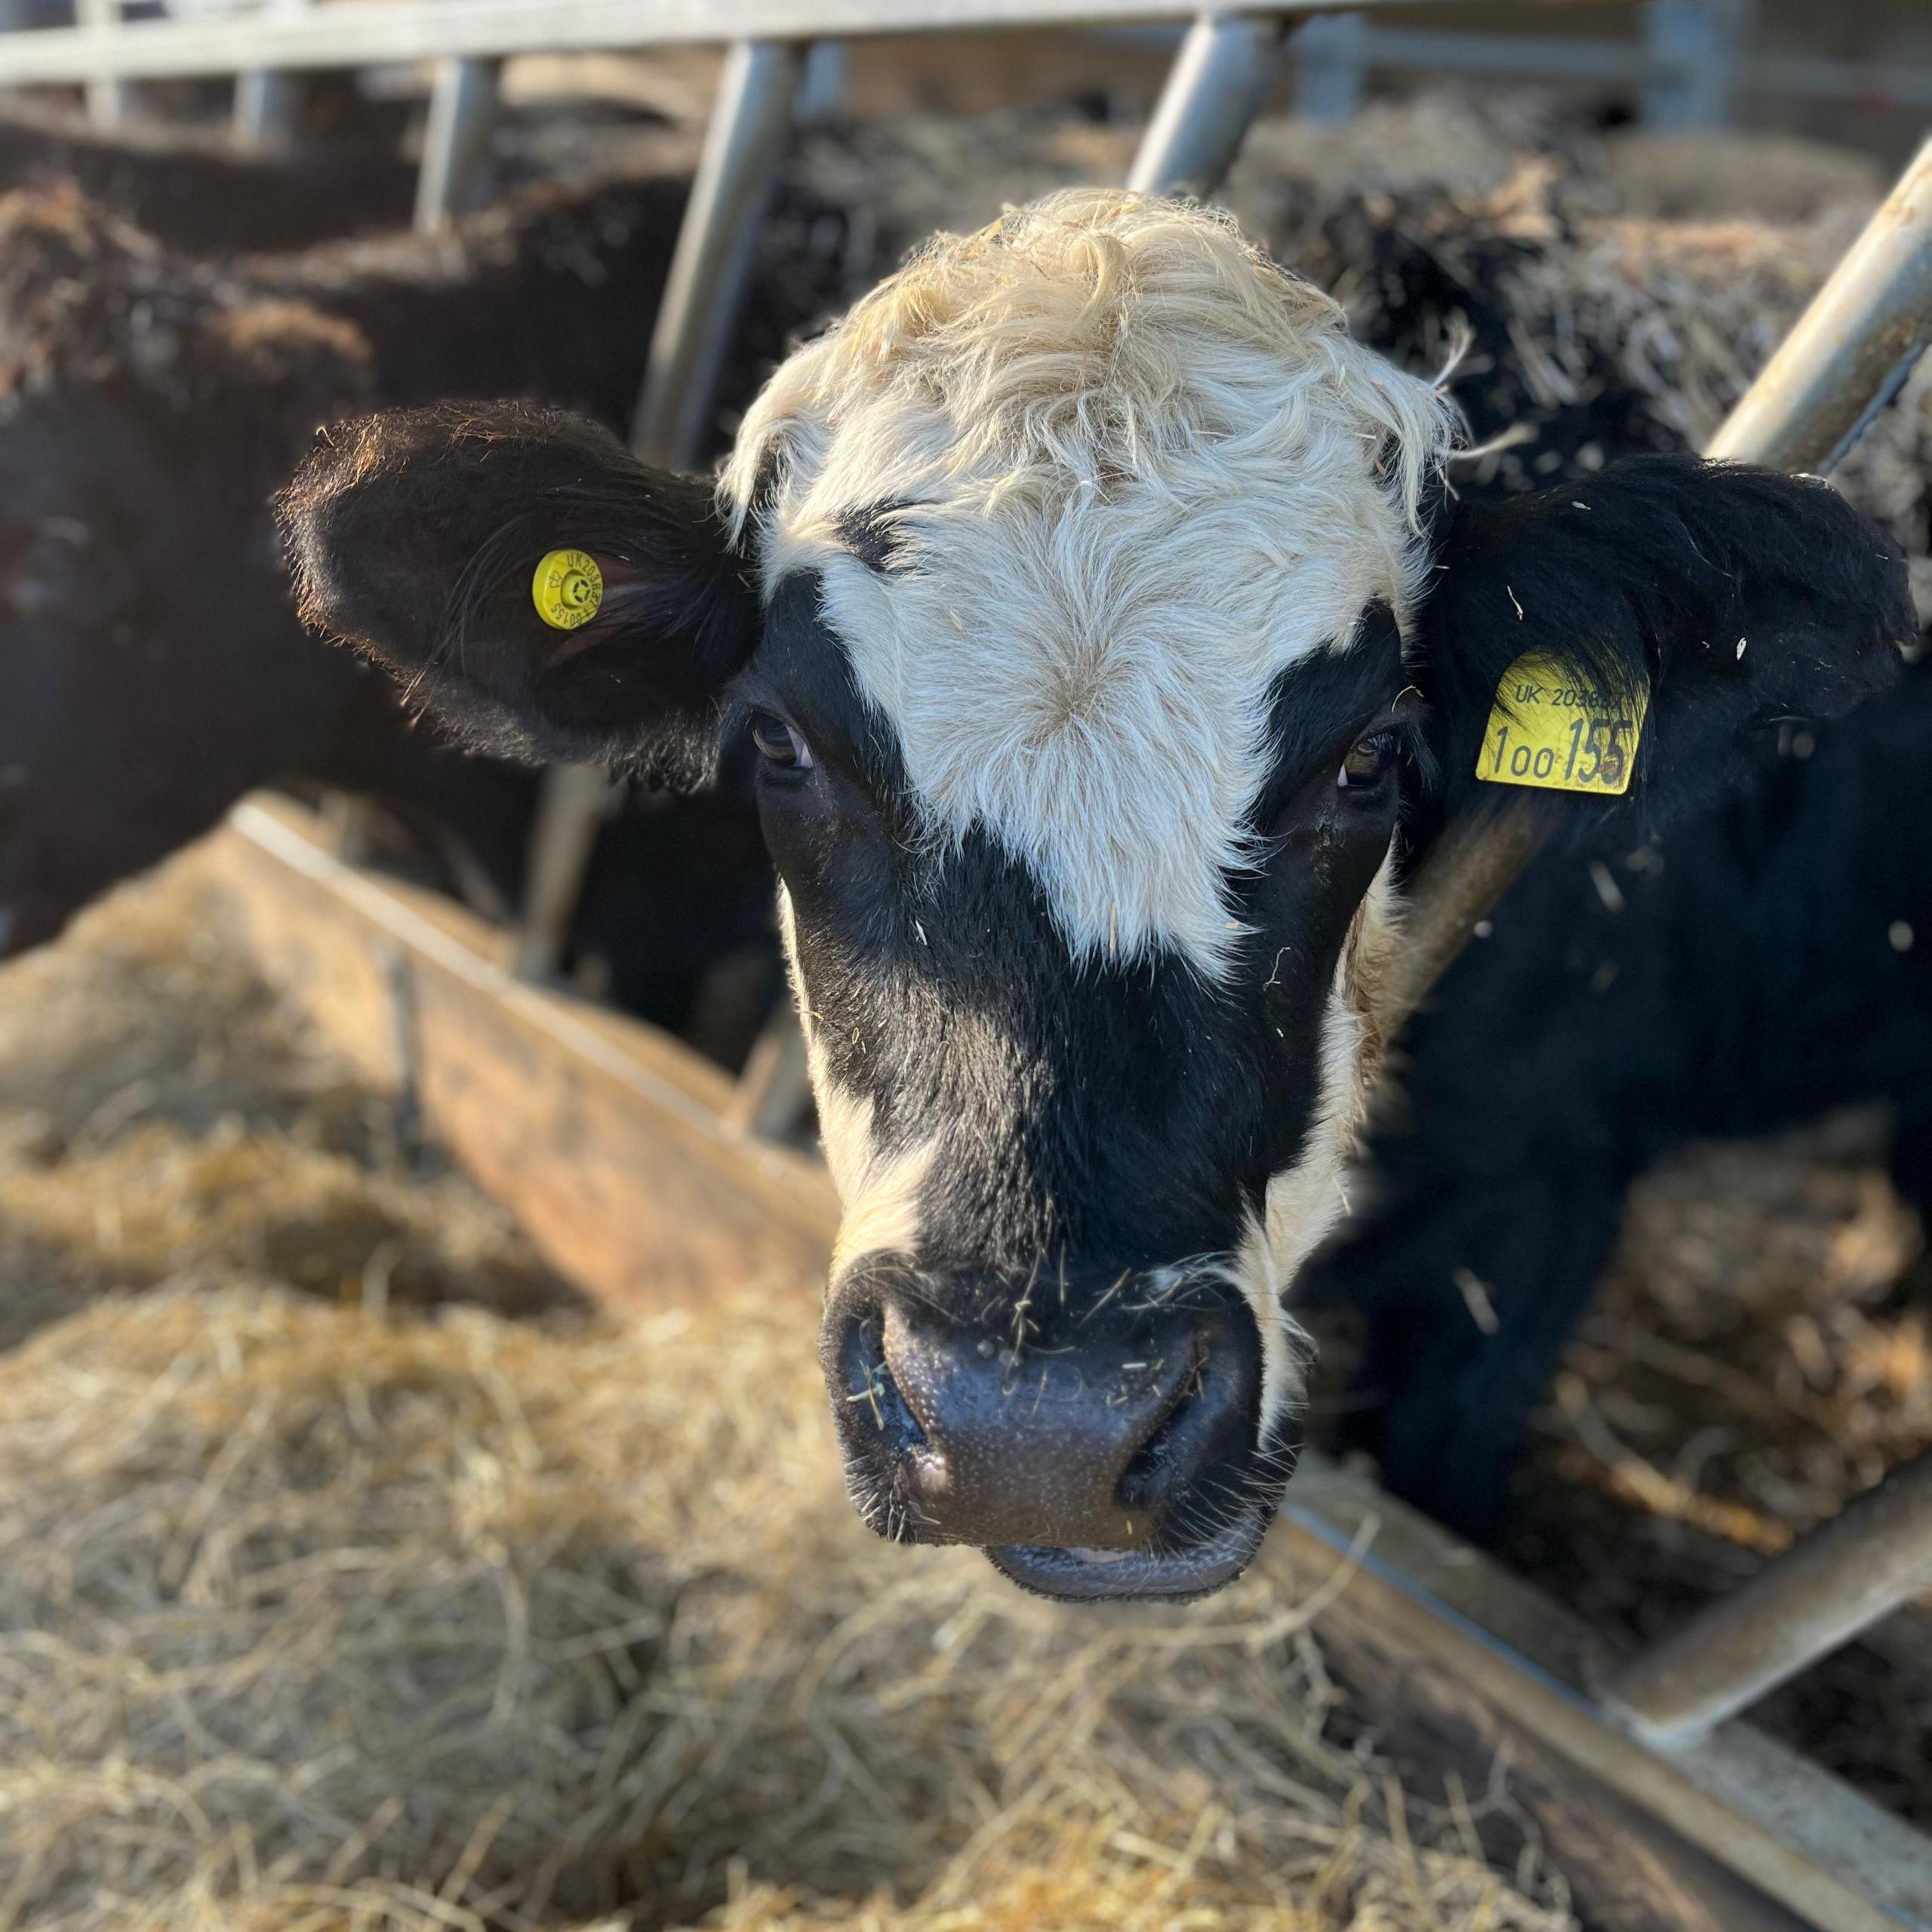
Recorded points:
(1330,54)
(1219,82)
(572,802)
(1873,314)
(1842,1578)
(107,98)
(1695,49)
(463,104)
(750,130)
(266,104)
(827,79)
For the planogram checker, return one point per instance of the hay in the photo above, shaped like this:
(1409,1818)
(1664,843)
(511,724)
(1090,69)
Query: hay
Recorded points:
(1760,1353)
(320,1614)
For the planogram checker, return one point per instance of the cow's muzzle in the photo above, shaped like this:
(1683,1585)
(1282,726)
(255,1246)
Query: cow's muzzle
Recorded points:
(1100,1439)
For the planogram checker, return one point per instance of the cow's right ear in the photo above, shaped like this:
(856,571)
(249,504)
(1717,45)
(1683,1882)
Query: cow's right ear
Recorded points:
(415,537)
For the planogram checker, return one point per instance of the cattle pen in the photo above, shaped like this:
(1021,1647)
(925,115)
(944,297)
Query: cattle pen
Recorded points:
(1665,1808)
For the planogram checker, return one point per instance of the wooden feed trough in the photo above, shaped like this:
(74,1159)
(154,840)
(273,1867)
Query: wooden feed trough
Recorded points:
(612,1144)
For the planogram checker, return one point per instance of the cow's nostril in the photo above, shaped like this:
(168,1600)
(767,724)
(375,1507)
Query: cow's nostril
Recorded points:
(869,1393)
(1185,1474)
(1163,1462)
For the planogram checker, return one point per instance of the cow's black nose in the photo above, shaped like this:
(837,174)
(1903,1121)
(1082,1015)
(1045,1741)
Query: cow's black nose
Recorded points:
(973,1415)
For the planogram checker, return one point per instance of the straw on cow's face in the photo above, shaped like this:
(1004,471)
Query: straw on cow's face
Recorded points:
(1079,594)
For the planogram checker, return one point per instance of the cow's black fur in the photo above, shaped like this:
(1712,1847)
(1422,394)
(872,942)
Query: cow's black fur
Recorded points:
(1768,958)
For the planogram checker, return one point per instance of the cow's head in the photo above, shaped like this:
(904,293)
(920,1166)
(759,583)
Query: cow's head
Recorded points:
(1080,592)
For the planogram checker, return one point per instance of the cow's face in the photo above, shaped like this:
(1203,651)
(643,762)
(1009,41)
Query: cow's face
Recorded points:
(1071,593)
(1081,547)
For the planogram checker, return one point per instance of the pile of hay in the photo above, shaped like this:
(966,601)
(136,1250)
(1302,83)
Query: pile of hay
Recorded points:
(319,1612)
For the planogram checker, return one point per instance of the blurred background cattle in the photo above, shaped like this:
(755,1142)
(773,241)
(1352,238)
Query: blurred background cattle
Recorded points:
(488,1612)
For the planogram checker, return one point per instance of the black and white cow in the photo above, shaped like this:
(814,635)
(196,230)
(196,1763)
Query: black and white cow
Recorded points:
(1112,650)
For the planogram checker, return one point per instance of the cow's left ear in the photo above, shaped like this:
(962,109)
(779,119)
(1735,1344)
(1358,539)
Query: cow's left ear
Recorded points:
(1699,598)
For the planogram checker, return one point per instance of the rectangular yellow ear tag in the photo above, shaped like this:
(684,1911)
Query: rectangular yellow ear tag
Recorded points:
(1547,730)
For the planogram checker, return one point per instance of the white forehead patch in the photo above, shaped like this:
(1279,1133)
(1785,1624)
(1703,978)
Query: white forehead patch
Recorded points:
(1134,474)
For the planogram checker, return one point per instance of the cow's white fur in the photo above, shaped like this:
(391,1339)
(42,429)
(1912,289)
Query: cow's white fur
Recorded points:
(1305,1200)
(1139,472)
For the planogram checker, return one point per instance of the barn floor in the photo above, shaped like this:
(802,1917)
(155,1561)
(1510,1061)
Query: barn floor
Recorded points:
(352,1575)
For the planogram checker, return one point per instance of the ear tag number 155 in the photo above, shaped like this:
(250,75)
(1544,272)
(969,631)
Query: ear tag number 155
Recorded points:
(1548,731)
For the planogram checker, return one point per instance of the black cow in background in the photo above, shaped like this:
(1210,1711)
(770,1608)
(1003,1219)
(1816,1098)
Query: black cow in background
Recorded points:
(153,666)
(1765,961)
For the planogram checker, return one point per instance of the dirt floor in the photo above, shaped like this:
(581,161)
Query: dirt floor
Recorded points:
(352,1575)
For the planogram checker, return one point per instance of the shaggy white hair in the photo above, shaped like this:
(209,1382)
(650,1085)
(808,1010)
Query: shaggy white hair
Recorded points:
(1134,472)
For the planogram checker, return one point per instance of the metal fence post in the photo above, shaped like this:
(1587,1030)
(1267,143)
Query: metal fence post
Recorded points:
(1695,53)
(1330,56)
(268,103)
(463,104)
(107,98)
(745,145)
(750,129)
(1219,82)
(1843,1578)
(1864,329)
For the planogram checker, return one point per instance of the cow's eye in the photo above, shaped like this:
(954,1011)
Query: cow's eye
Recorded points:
(778,744)
(1369,758)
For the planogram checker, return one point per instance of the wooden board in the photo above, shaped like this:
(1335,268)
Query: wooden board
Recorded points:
(609,1142)
(604,1138)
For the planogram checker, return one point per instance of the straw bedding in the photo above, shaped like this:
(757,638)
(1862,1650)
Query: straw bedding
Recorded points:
(319,1611)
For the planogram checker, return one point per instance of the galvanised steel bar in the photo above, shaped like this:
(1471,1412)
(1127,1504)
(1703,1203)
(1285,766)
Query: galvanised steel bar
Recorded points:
(750,130)
(107,94)
(1875,311)
(1865,1562)
(1220,80)
(463,104)
(401,30)
(267,103)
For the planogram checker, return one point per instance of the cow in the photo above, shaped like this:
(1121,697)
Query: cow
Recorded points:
(1768,958)
(152,667)
(1112,651)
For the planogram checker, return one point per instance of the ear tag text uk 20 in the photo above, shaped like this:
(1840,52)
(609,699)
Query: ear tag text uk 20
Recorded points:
(567,589)
(1547,730)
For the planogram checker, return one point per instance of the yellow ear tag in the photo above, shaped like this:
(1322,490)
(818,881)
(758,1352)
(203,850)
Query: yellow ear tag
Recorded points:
(567,589)
(1547,730)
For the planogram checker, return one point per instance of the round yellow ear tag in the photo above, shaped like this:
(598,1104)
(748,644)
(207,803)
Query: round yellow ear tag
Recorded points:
(567,589)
